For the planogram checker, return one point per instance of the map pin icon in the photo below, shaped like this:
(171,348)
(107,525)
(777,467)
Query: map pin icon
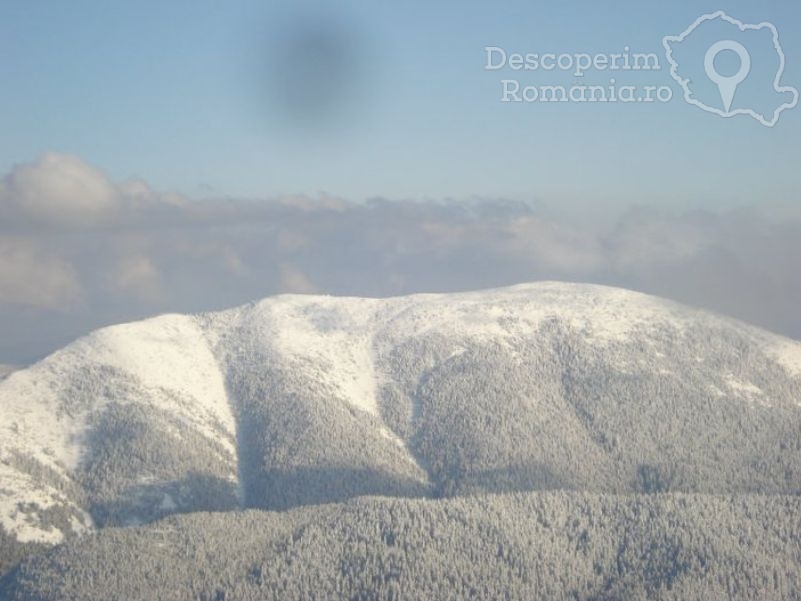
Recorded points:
(727,85)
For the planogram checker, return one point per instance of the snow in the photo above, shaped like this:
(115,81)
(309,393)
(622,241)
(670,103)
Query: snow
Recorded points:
(329,339)
(174,366)
(167,503)
(747,389)
(332,340)
(170,353)
(787,354)
(604,315)
(180,363)
(21,500)
(29,408)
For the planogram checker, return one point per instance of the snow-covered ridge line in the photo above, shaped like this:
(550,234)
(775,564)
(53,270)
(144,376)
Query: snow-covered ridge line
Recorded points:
(339,348)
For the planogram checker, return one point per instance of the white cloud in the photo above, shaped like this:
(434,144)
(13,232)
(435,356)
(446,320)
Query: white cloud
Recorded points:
(30,277)
(295,281)
(59,188)
(138,278)
(63,190)
(169,253)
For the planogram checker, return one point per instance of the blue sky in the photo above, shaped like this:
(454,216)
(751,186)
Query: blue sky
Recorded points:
(188,95)
(289,120)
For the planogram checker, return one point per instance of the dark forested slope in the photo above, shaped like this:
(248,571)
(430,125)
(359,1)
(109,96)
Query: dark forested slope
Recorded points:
(548,546)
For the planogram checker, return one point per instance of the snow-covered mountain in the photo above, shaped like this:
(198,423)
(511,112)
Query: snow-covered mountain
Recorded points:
(301,400)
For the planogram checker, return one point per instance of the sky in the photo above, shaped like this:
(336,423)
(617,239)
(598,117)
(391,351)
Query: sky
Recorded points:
(188,156)
(191,95)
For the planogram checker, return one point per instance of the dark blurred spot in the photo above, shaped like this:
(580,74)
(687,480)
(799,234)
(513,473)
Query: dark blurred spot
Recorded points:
(315,70)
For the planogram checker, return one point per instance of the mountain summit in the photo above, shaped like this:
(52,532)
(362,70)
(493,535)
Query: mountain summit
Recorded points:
(304,400)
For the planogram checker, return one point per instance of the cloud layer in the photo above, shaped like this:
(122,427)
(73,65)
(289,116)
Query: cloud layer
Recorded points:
(78,251)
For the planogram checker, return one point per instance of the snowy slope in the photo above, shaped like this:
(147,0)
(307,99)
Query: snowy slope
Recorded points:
(330,340)
(46,411)
(537,385)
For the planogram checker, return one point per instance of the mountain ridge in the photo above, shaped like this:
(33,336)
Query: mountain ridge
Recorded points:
(297,400)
